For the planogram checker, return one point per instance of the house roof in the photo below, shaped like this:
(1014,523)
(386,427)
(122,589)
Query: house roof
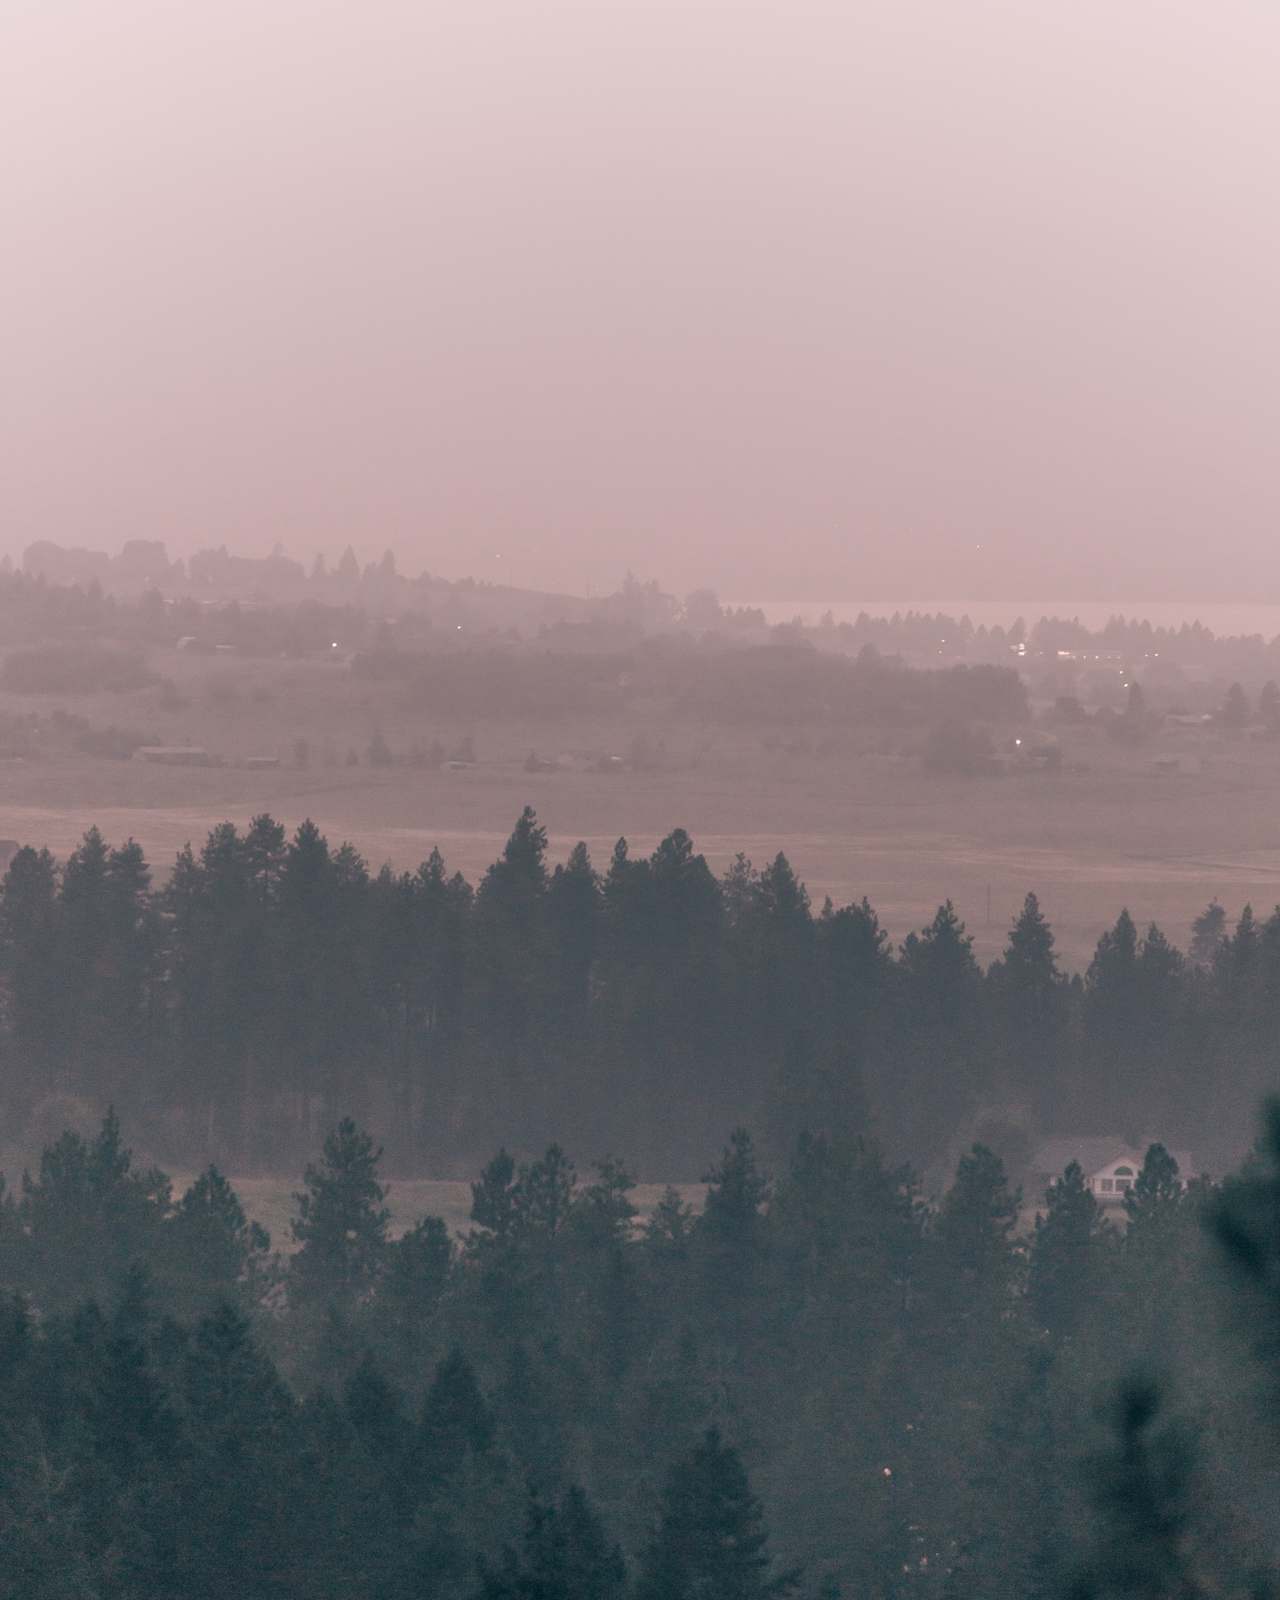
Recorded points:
(1094,1152)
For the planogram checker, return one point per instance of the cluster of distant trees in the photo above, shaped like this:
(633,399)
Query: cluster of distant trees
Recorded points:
(216,573)
(817,1386)
(1234,712)
(375,590)
(68,640)
(58,634)
(781,682)
(920,634)
(272,983)
(473,649)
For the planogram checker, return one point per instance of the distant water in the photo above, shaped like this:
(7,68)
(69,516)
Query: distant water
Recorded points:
(1224,618)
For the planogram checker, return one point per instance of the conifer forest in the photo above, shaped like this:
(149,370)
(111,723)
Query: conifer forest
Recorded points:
(596,1001)
(826,1377)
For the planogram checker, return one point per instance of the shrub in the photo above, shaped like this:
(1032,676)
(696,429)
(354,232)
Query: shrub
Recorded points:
(379,753)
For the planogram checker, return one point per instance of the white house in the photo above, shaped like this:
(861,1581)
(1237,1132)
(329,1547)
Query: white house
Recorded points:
(1110,1165)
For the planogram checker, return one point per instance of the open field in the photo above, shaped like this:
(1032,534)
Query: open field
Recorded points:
(859,817)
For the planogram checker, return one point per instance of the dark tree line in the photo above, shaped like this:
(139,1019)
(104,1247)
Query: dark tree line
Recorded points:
(817,1385)
(273,984)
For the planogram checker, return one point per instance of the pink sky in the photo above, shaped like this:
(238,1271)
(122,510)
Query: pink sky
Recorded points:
(789,297)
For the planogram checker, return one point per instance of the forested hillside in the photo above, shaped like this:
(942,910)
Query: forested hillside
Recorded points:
(818,1385)
(271,985)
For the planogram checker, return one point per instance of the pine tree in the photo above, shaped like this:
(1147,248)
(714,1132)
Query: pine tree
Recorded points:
(520,875)
(1067,1255)
(264,851)
(1235,711)
(1145,1494)
(1115,1020)
(739,886)
(83,958)
(131,1447)
(1031,994)
(1114,959)
(940,968)
(455,1422)
(669,1227)
(29,914)
(211,1250)
(941,1021)
(42,1545)
(342,1221)
(975,1227)
(603,1211)
(510,972)
(232,1484)
(419,1265)
(1156,1191)
(1012,1525)
(1237,956)
(1207,933)
(730,1233)
(128,1013)
(495,1203)
(536,1415)
(545,1192)
(573,912)
(342,1531)
(1246,1221)
(459,1484)
(1170,1295)
(89,1216)
(565,1556)
(376,1411)
(1030,963)
(711,1542)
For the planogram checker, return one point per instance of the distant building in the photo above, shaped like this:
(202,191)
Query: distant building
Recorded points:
(259,763)
(173,755)
(1110,1164)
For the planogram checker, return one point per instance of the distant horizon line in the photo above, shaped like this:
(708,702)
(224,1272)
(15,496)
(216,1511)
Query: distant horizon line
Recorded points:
(846,599)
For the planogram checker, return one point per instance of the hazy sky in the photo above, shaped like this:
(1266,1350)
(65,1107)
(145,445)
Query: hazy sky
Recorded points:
(917,296)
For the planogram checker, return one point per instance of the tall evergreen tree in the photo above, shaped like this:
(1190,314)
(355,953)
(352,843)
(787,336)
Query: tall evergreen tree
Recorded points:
(232,1485)
(711,1542)
(212,1252)
(1207,933)
(28,946)
(88,1216)
(1067,1270)
(342,1221)
(565,1556)
(1031,998)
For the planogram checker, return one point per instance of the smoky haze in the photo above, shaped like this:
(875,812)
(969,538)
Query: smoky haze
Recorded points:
(807,300)
(694,1065)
